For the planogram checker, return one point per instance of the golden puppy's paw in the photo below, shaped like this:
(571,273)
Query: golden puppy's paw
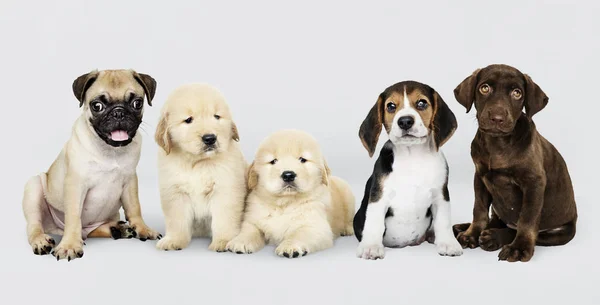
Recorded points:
(240,246)
(348,231)
(68,249)
(218,245)
(291,249)
(42,244)
(168,243)
(144,233)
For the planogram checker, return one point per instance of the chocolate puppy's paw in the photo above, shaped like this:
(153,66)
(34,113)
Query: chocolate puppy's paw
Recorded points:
(468,240)
(515,253)
(461,227)
(122,230)
(494,239)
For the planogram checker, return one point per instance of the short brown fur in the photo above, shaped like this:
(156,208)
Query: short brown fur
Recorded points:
(517,171)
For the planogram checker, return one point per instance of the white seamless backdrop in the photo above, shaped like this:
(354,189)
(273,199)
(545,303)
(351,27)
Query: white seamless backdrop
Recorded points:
(312,65)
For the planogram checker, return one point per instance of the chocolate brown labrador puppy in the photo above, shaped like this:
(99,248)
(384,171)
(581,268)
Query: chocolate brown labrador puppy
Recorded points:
(517,171)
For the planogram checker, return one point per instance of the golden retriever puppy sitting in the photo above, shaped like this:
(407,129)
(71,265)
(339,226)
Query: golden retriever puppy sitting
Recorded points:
(293,201)
(202,172)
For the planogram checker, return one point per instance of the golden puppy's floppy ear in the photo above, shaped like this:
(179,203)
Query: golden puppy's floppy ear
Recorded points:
(161,136)
(234,132)
(465,91)
(370,129)
(148,83)
(82,84)
(535,98)
(444,121)
(252,177)
(325,173)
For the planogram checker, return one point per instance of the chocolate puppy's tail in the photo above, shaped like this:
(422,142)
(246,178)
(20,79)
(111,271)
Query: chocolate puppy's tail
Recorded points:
(558,236)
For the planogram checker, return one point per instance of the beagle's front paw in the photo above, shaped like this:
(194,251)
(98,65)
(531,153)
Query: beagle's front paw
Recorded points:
(373,252)
(291,249)
(449,247)
(69,249)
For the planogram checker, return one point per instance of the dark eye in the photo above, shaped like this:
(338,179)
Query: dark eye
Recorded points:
(517,94)
(217,116)
(421,104)
(97,106)
(485,89)
(188,120)
(302,160)
(391,107)
(273,161)
(137,104)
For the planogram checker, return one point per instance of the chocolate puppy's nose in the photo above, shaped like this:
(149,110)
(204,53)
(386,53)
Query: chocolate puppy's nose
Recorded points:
(406,122)
(288,176)
(118,113)
(496,118)
(209,139)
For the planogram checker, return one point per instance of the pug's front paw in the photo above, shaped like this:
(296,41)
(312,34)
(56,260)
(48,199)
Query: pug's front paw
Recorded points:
(69,249)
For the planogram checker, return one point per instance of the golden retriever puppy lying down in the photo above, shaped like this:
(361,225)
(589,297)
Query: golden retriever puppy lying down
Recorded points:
(202,172)
(293,202)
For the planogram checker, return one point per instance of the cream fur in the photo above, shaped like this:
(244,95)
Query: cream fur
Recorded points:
(202,192)
(299,221)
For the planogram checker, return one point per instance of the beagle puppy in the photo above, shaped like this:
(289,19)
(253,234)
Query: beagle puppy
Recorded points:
(406,199)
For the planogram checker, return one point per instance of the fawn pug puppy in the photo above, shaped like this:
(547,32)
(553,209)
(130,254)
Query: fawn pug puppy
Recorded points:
(293,202)
(94,175)
(202,172)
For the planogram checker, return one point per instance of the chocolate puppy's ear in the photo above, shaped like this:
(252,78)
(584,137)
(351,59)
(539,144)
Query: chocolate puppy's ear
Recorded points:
(325,173)
(162,137)
(535,98)
(148,83)
(370,129)
(252,178)
(465,91)
(444,121)
(82,84)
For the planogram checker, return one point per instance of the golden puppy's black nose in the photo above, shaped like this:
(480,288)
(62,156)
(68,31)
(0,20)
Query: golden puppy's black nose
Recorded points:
(288,176)
(209,139)
(406,122)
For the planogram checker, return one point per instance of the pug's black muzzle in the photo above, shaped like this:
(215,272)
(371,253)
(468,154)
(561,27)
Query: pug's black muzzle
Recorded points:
(116,117)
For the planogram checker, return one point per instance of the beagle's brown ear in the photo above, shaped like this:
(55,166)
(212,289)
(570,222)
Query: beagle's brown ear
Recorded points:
(535,98)
(161,136)
(370,129)
(234,132)
(82,84)
(252,178)
(148,83)
(465,91)
(325,173)
(444,121)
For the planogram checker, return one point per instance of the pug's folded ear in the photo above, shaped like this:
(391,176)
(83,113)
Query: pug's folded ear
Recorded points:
(148,83)
(252,179)
(82,84)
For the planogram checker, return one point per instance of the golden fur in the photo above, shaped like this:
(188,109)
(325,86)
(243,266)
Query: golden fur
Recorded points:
(202,191)
(301,219)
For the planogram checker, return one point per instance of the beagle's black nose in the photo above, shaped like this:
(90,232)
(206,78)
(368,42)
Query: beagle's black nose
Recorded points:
(406,122)
(209,139)
(288,176)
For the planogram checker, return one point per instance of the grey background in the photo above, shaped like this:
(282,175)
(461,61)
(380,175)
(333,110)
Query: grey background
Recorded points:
(316,66)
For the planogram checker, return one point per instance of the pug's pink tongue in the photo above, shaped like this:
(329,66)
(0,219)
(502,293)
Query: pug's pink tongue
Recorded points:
(119,135)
